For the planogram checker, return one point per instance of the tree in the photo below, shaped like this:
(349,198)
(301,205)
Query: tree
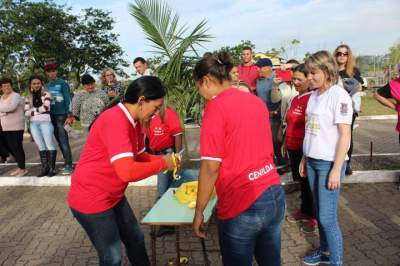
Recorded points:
(394,54)
(96,46)
(177,47)
(33,32)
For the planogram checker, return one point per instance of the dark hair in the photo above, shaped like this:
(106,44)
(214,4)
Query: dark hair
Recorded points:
(32,78)
(292,61)
(301,68)
(207,54)
(5,81)
(35,77)
(87,79)
(217,66)
(247,48)
(148,86)
(139,59)
(35,97)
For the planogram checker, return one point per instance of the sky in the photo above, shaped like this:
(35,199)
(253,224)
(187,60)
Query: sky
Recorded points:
(370,27)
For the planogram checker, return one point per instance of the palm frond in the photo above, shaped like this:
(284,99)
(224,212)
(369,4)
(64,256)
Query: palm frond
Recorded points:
(177,45)
(158,24)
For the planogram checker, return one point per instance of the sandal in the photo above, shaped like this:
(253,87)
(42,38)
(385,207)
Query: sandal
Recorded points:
(14,172)
(22,172)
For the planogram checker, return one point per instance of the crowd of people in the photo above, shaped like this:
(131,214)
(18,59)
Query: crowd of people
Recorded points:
(257,118)
(50,110)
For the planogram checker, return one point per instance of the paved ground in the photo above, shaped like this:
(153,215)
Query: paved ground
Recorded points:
(381,132)
(36,228)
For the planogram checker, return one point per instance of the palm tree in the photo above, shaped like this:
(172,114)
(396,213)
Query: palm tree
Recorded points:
(176,45)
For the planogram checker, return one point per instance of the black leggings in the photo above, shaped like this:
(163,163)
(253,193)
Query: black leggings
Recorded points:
(306,197)
(14,141)
(4,152)
(350,151)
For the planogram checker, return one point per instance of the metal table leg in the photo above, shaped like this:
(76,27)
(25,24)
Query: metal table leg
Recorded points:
(205,256)
(178,248)
(153,246)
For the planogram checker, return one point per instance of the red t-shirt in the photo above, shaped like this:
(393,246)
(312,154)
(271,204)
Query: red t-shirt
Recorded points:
(161,135)
(95,187)
(236,132)
(249,74)
(296,120)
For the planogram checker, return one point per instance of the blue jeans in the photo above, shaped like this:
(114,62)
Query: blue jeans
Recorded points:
(256,231)
(43,133)
(326,202)
(187,175)
(107,229)
(62,138)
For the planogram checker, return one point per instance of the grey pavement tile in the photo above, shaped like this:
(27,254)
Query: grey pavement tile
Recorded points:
(36,228)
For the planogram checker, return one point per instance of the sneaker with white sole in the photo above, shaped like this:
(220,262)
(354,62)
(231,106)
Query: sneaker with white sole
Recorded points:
(67,170)
(316,257)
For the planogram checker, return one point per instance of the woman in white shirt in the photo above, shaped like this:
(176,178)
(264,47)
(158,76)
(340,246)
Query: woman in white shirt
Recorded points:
(326,142)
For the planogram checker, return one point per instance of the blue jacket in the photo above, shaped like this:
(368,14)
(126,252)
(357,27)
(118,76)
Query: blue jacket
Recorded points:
(264,88)
(60,97)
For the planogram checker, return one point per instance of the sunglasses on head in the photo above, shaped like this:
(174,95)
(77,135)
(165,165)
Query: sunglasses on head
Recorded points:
(342,54)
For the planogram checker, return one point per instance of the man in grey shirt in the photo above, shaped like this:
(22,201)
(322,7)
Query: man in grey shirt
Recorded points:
(264,88)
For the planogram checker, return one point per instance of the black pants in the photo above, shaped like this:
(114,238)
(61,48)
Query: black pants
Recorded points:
(4,151)
(275,123)
(350,151)
(14,141)
(62,138)
(306,197)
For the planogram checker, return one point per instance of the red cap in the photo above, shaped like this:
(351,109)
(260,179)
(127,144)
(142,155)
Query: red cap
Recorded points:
(50,66)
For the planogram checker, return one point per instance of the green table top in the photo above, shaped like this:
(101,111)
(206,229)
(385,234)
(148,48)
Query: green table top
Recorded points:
(169,211)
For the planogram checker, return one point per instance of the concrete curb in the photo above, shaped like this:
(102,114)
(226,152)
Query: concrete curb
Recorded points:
(375,176)
(362,117)
(372,176)
(57,181)
(377,117)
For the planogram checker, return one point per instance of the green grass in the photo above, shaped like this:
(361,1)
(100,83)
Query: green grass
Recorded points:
(369,106)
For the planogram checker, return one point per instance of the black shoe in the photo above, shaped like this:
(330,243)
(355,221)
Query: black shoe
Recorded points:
(348,170)
(163,231)
(52,155)
(45,164)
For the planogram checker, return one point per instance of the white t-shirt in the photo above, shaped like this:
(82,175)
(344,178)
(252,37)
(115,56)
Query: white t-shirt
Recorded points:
(323,114)
(147,72)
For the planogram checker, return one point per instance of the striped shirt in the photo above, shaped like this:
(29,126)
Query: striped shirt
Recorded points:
(41,113)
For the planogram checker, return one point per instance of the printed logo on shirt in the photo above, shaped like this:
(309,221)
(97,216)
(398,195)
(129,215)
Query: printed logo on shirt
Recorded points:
(298,110)
(312,125)
(158,131)
(261,172)
(343,108)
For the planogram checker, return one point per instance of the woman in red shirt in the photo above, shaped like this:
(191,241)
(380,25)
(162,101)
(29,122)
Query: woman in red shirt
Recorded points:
(293,144)
(238,158)
(164,133)
(112,157)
